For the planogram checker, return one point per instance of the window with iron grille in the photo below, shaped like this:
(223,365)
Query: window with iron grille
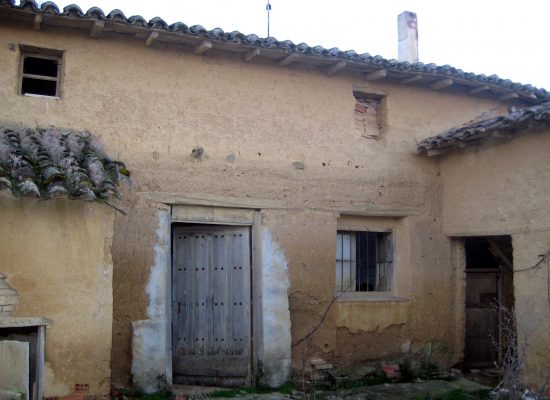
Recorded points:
(40,71)
(364,261)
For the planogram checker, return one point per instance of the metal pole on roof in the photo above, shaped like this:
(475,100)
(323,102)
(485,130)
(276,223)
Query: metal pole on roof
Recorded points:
(268,8)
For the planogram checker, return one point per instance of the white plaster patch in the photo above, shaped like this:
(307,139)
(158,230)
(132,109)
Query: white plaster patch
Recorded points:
(149,336)
(156,288)
(406,346)
(148,355)
(275,356)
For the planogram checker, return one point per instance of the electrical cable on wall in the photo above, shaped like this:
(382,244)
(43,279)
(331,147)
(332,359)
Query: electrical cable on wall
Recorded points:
(311,332)
(543,258)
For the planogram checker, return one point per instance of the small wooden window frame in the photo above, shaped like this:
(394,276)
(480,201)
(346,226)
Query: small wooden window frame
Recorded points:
(46,54)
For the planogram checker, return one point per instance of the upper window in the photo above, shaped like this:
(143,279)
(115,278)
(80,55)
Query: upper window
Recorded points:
(40,71)
(367,119)
(364,261)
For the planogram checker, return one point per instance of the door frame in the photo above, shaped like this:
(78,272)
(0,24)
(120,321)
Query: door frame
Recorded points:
(206,215)
(458,261)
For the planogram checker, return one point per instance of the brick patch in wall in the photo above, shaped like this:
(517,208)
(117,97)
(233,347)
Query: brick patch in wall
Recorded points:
(81,388)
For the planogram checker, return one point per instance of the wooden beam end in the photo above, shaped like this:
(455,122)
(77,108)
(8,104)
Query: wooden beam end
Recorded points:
(37,22)
(508,96)
(479,89)
(203,47)
(152,38)
(334,68)
(97,29)
(411,79)
(375,75)
(441,84)
(249,56)
(289,59)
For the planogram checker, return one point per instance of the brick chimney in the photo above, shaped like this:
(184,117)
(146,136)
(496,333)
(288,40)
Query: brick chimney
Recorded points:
(407,27)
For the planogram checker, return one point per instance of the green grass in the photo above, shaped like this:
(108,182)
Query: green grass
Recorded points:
(160,395)
(224,393)
(231,393)
(459,394)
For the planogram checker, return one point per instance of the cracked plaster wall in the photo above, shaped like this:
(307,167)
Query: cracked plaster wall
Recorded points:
(57,255)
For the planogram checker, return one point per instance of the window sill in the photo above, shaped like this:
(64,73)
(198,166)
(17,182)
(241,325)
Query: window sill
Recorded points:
(42,96)
(370,297)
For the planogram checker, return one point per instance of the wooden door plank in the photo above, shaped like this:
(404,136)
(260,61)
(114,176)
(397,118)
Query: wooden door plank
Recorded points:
(209,306)
(192,296)
(238,287)
(201,287)
(186,294)
(247,293)
(218,289)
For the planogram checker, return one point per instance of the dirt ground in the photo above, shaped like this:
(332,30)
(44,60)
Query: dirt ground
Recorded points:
(460,389)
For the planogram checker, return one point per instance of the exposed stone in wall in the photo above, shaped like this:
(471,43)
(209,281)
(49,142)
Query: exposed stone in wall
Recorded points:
(9,298)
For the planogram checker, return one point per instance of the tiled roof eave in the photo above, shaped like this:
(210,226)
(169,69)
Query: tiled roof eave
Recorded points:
(506,127)
(250,46)
(50,163)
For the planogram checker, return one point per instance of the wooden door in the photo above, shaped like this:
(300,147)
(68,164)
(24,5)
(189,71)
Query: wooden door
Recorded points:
(482,333)
(211,305)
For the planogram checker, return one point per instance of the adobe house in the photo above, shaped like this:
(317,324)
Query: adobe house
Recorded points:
(288,201)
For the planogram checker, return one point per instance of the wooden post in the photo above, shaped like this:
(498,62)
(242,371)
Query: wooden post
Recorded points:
(40,362)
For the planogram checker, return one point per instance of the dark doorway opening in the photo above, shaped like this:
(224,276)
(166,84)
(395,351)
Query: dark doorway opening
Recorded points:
(489,292)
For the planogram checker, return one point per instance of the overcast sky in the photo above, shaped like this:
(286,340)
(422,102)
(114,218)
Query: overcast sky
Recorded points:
(507,38)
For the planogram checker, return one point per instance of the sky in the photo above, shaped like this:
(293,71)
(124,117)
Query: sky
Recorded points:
(507,38)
